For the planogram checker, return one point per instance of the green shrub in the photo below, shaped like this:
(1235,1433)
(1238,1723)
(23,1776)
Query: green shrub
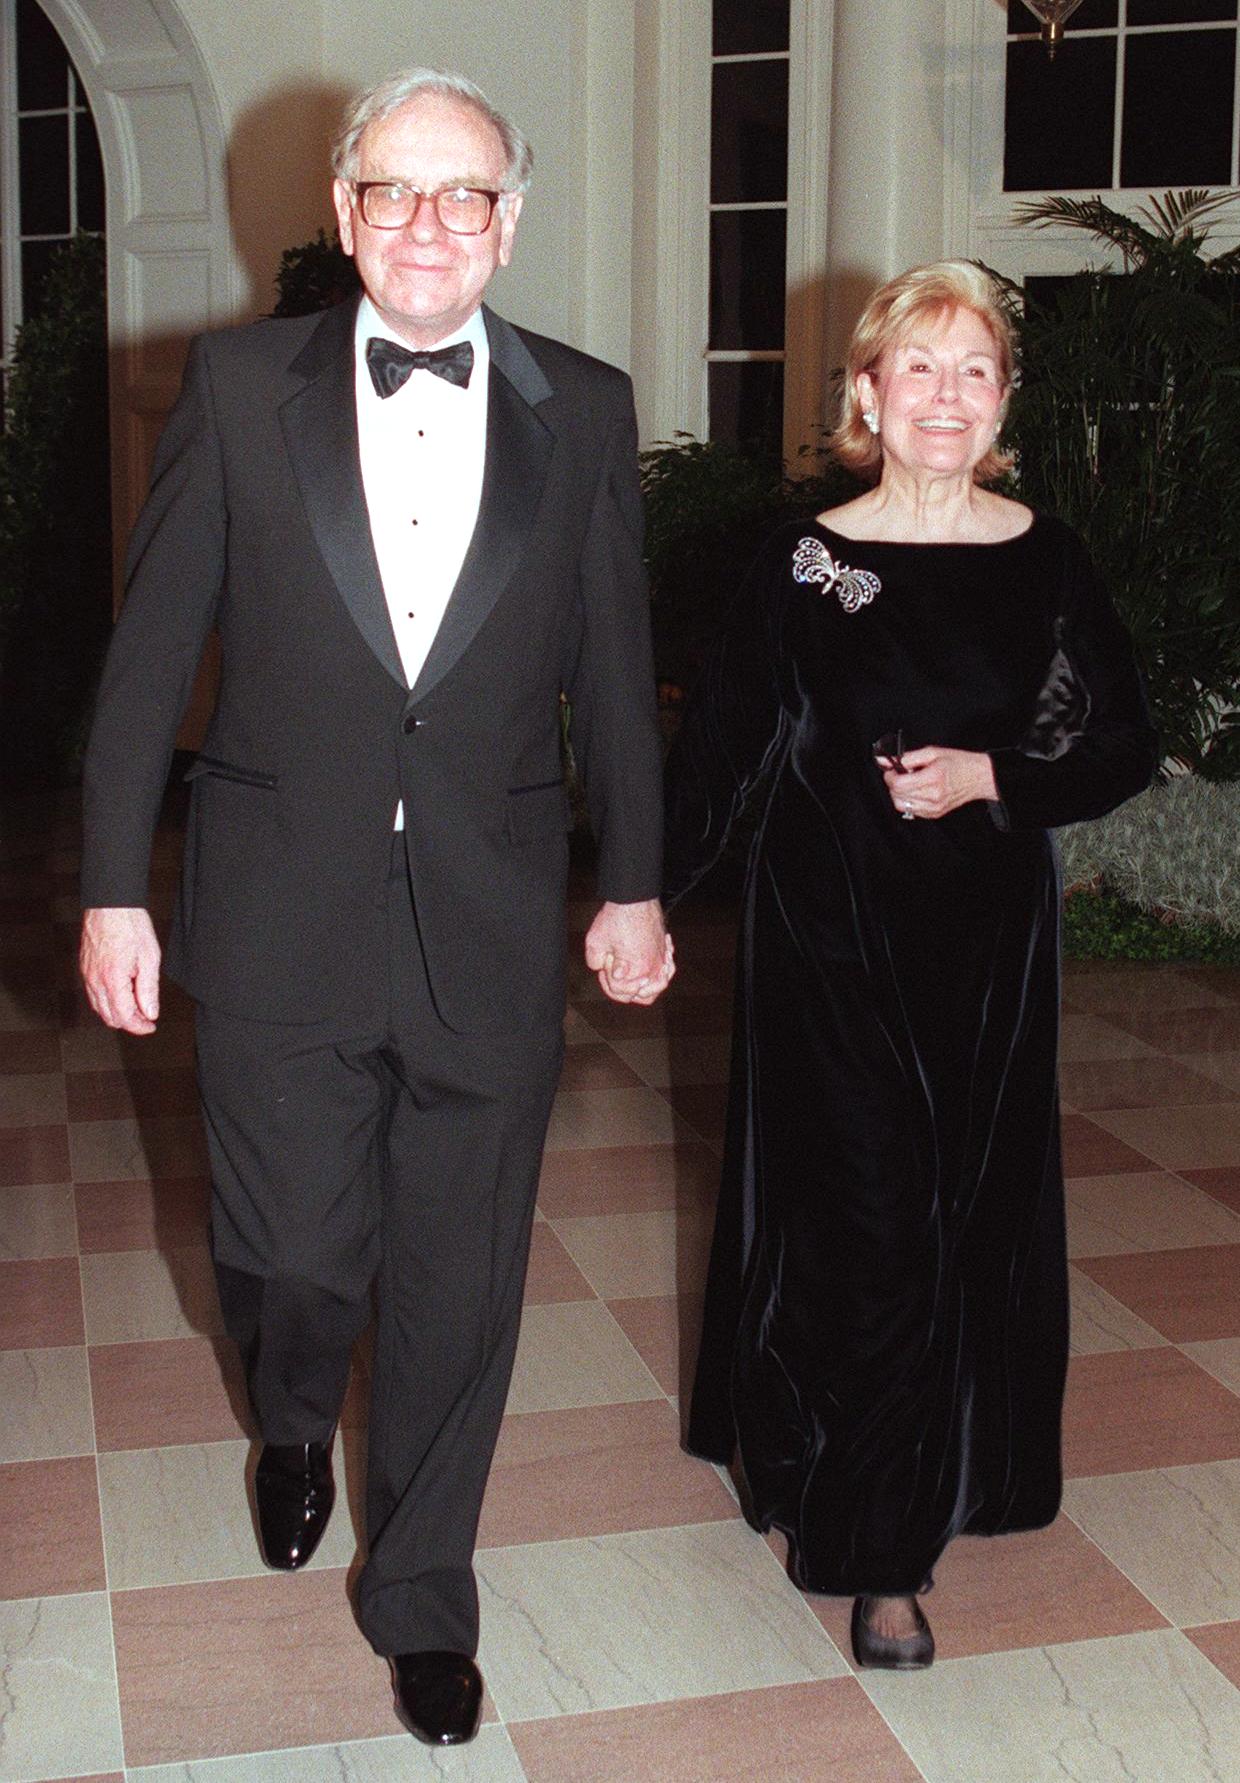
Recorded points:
(1127,425)
(55,520)
(314,276)
(1174,852)
(1100,925)
(708,506)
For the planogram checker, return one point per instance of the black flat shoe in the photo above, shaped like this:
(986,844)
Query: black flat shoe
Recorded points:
(295,1492)
(438,1696)
(879,1651)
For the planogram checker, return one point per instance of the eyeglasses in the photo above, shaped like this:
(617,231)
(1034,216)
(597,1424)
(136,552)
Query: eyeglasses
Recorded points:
(390,204)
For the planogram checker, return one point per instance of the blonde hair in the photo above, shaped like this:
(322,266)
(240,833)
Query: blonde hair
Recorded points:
(923,294)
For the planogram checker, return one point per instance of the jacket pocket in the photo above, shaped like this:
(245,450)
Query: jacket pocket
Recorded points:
(226,770)
(534,811)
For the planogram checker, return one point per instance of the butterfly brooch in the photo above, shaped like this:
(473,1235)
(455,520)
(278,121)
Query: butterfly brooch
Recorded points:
(812,562)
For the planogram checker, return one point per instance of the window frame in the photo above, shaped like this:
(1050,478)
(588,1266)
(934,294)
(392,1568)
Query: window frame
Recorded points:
(12,236)
(678,398)
(979,221)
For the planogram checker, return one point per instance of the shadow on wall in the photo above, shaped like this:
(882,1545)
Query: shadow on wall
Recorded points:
(279,194)
(807,305)
(279,179)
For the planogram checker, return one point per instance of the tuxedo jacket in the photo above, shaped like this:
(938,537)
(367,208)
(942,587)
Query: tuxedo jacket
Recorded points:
(256,524)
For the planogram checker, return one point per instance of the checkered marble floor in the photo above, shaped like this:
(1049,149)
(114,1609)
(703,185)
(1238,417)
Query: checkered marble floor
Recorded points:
(633,1627)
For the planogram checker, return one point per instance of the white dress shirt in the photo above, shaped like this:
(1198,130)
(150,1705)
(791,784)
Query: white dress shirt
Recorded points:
(422,453)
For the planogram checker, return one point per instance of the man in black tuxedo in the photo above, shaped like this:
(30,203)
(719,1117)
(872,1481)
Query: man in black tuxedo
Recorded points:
(414,525)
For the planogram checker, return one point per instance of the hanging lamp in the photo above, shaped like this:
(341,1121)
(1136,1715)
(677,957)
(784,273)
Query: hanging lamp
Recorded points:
(1052,15)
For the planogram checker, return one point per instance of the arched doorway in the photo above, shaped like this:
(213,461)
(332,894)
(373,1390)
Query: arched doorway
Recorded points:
(169,260)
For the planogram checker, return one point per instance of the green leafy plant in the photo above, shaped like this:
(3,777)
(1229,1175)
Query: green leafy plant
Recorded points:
(707,507)
(1174,852)
(1127,425)
(1098,924)
(55,521)
(314,276)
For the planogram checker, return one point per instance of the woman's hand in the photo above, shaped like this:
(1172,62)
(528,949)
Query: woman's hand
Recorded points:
(936,781)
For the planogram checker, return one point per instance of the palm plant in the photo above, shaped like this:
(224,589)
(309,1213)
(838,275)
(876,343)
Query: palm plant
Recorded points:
(1127,425)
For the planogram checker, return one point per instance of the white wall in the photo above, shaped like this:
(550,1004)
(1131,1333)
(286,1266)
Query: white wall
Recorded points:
(562,69)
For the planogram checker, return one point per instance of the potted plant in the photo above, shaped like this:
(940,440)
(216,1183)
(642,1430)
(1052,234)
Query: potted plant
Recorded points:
(1127,425)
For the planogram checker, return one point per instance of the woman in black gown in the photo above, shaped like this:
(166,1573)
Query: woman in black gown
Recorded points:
(923,681)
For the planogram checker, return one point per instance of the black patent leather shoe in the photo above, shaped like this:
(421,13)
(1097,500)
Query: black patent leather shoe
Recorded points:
(438,1696)
(912,1653)
(295,1492)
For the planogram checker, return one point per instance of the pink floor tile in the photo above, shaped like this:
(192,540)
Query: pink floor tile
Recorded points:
(1137,1083)
(627,1179)
(245,1665)
(40,1304)
(679,1013)
(111,1095)
(1132,1409)
(704,1106)
(788,1733)
(595,1471)
(1088,1150)
(34,1155)
(1027,1590)
(34,1049)
(592,1066)
(552,1273)
(1221,1181)
(662,1329)
(1213,1029)
(52,1539)
(1221,1645)
(181,1390)
(1189,1295)
(142,1215)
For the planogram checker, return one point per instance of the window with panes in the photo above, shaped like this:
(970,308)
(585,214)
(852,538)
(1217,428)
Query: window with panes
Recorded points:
(51,173)
(1141,95)
(748,221)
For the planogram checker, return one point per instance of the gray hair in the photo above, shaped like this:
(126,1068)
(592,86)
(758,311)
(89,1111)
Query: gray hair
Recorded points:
(381,101)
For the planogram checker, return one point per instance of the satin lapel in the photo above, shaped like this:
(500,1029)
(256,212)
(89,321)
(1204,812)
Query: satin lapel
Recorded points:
(518,450)
(320,433)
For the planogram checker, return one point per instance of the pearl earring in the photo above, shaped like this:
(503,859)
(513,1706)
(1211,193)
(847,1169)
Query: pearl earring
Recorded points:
(870,417)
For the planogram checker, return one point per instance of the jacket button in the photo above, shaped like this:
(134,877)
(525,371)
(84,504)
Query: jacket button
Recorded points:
(410,724)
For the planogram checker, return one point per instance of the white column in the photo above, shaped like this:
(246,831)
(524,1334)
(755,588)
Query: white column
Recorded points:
(886,165)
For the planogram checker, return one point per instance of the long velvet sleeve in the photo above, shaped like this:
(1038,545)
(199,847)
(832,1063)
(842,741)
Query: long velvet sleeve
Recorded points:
(1090,745)
(732,729)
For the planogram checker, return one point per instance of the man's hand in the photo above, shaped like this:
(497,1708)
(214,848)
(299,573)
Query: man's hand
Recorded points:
(119,959)
(631,951)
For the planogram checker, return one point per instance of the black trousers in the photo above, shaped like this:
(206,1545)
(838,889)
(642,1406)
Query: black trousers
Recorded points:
(407,1156)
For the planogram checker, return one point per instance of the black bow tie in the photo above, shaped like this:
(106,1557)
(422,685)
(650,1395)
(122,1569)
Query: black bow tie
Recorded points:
(390,365)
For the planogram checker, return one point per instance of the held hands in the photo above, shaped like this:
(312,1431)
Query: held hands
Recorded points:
(119,960)
(631,951)
(936,781)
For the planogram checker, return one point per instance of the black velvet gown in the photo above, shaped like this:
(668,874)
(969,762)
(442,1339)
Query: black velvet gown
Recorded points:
(885,1329)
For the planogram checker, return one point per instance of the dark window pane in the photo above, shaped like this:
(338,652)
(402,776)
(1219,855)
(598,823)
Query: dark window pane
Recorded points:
(89,174)
(36,258)
(749,132)
(42,64)
(747,405)
(747,256)
(1091,15)
(1178,12)
(743,26)
(44,150)
(1043,290)
(1059,116)
(1169,79)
